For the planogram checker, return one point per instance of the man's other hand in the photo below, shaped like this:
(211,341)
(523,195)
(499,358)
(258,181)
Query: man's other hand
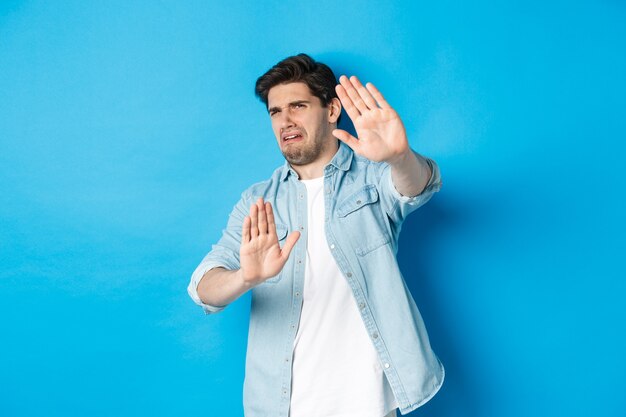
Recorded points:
(261,256)
(381,133)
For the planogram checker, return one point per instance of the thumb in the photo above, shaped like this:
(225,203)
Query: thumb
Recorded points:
(289,244)
(346,138)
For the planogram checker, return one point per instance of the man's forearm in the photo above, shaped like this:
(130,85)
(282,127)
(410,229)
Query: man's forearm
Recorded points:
(410,174)
(219,287)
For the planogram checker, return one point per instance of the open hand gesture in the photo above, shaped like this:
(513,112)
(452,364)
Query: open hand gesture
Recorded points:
(381,134)
(261,257)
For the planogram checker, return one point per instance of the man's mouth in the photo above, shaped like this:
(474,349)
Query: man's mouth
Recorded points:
(291,137)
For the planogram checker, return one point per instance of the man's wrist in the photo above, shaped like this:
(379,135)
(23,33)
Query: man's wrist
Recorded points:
(401,159)
(243,283)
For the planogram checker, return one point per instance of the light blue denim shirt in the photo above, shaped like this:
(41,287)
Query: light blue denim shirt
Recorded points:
(363,217)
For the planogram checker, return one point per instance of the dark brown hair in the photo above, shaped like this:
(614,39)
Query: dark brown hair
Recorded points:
(299,68)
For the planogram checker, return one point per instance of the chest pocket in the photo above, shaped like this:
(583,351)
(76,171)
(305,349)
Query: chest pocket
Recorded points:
(360,215)
(281,232)
(366,195)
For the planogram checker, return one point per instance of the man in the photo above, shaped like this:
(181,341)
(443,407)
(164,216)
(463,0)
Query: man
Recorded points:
(334,330)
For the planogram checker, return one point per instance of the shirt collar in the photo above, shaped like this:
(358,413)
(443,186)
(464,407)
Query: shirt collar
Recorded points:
(341,160)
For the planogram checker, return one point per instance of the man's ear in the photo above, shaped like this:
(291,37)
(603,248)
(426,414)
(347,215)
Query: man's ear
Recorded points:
(334,110)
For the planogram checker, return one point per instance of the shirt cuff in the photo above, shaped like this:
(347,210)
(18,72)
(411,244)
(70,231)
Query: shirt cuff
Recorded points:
(433,185)
(192,289)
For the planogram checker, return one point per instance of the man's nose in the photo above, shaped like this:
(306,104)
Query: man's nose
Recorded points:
(285,119)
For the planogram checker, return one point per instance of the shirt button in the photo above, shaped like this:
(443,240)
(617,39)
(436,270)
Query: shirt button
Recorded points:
(301,196)
(386,366)
(358,201)
(301,227)
(375,335)
(332,246)
(297,294)
(349,274)
(361,305)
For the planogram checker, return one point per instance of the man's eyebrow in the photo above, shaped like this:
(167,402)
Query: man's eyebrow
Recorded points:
(276,108)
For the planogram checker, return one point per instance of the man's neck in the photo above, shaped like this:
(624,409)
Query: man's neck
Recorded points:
(316,168)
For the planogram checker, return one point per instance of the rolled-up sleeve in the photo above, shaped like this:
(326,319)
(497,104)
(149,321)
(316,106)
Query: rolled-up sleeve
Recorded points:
(224,254)
(399,206)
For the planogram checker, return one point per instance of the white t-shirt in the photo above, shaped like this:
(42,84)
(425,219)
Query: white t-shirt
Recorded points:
(336,371)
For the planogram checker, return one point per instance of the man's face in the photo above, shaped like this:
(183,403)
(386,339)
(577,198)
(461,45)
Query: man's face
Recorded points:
(301,125)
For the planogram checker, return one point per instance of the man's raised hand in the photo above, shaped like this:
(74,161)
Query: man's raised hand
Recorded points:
(261,256)
(381,134)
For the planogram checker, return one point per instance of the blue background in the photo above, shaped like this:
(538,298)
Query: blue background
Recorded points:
(129,129)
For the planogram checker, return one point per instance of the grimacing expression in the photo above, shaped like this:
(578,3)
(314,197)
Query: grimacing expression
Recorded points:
(300,123)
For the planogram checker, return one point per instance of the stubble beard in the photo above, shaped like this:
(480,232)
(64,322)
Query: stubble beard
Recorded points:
(303,154)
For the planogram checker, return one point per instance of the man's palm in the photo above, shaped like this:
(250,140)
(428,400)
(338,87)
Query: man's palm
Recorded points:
(261,256)
(381,133)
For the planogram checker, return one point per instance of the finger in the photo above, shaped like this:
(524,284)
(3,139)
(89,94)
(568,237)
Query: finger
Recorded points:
(347,138)
(347,103)
(245,230)
(271,224)
(262,217)
(377,96)
(365,95)
(254,220)
(353,94)
(289,244)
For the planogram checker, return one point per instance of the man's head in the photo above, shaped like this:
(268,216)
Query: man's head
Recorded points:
(304,109)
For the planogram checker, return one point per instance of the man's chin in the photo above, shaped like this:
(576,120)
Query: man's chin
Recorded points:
(294,160)
(298,157)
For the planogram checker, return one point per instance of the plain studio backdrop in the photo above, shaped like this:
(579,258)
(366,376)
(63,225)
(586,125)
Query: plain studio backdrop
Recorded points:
(128,130)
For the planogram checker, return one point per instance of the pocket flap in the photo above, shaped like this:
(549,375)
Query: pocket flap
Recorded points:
(366,195)
(281,231)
